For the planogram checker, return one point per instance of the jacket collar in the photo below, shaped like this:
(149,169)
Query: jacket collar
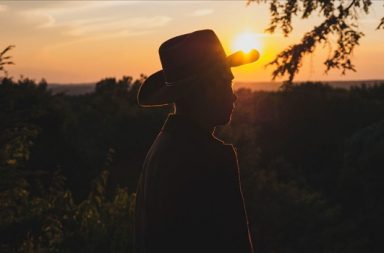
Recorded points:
(180,124)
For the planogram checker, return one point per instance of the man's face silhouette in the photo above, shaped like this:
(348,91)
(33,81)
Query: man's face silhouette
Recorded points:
(217,97)
(211,102)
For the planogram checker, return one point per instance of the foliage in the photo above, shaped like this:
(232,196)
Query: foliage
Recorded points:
(360,182)
(294,148)
(78,131)
(310,158)
(5,60)
(340,19)
(53,222)
(45,218)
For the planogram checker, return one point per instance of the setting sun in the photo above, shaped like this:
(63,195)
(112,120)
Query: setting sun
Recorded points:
(246,42)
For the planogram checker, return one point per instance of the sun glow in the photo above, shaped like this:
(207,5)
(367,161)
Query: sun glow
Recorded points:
(247,41)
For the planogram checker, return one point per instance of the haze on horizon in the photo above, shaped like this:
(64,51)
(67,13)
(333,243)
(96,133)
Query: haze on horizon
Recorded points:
(85,41)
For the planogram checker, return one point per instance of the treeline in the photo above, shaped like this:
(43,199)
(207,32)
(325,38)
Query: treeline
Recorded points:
(311,158)
(69,165)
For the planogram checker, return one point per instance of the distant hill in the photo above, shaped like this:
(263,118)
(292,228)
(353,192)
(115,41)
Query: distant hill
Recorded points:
(83,88)
(266,86)
(72,89)
(272,86)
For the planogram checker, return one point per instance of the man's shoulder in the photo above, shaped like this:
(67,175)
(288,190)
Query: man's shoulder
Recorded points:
(172,147)
(197,144)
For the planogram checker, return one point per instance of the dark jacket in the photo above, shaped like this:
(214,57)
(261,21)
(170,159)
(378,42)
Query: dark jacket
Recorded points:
(189,197)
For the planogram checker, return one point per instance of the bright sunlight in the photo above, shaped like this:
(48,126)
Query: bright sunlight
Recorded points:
(247,41)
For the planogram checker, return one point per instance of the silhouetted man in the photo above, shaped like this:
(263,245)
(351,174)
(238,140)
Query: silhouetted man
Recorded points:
(189,196)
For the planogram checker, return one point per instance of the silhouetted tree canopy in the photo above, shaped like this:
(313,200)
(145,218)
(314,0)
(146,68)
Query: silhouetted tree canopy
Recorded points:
(339,18)
(310,157)
(5,59)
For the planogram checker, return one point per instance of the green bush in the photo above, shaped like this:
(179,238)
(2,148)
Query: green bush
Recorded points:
(51,221)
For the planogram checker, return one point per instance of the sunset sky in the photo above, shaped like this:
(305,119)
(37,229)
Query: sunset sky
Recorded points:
(84,41)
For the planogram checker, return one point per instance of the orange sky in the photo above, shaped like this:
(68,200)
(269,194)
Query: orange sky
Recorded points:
(84,41)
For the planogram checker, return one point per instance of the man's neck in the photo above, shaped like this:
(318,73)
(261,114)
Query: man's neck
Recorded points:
(198,121)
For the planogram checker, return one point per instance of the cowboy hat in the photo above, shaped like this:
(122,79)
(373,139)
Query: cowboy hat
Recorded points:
(185,59)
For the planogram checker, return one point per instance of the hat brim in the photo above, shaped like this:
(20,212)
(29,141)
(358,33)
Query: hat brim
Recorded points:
(155,92)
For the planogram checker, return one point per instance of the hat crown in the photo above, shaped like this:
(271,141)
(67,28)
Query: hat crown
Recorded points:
(188,54)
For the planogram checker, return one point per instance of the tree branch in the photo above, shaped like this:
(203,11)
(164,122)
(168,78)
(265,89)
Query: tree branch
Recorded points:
(339,20)
(381,25)
(5,60)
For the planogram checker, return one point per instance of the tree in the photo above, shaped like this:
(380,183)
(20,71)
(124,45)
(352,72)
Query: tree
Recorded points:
(5,60)
(340,20)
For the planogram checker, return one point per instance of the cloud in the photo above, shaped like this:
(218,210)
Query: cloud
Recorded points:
(66,24)
(202,12)
(71,7)
(87,30)
(49,22)
(87,39)
(3,8)
(92,19)
(58,13)
(127,26)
